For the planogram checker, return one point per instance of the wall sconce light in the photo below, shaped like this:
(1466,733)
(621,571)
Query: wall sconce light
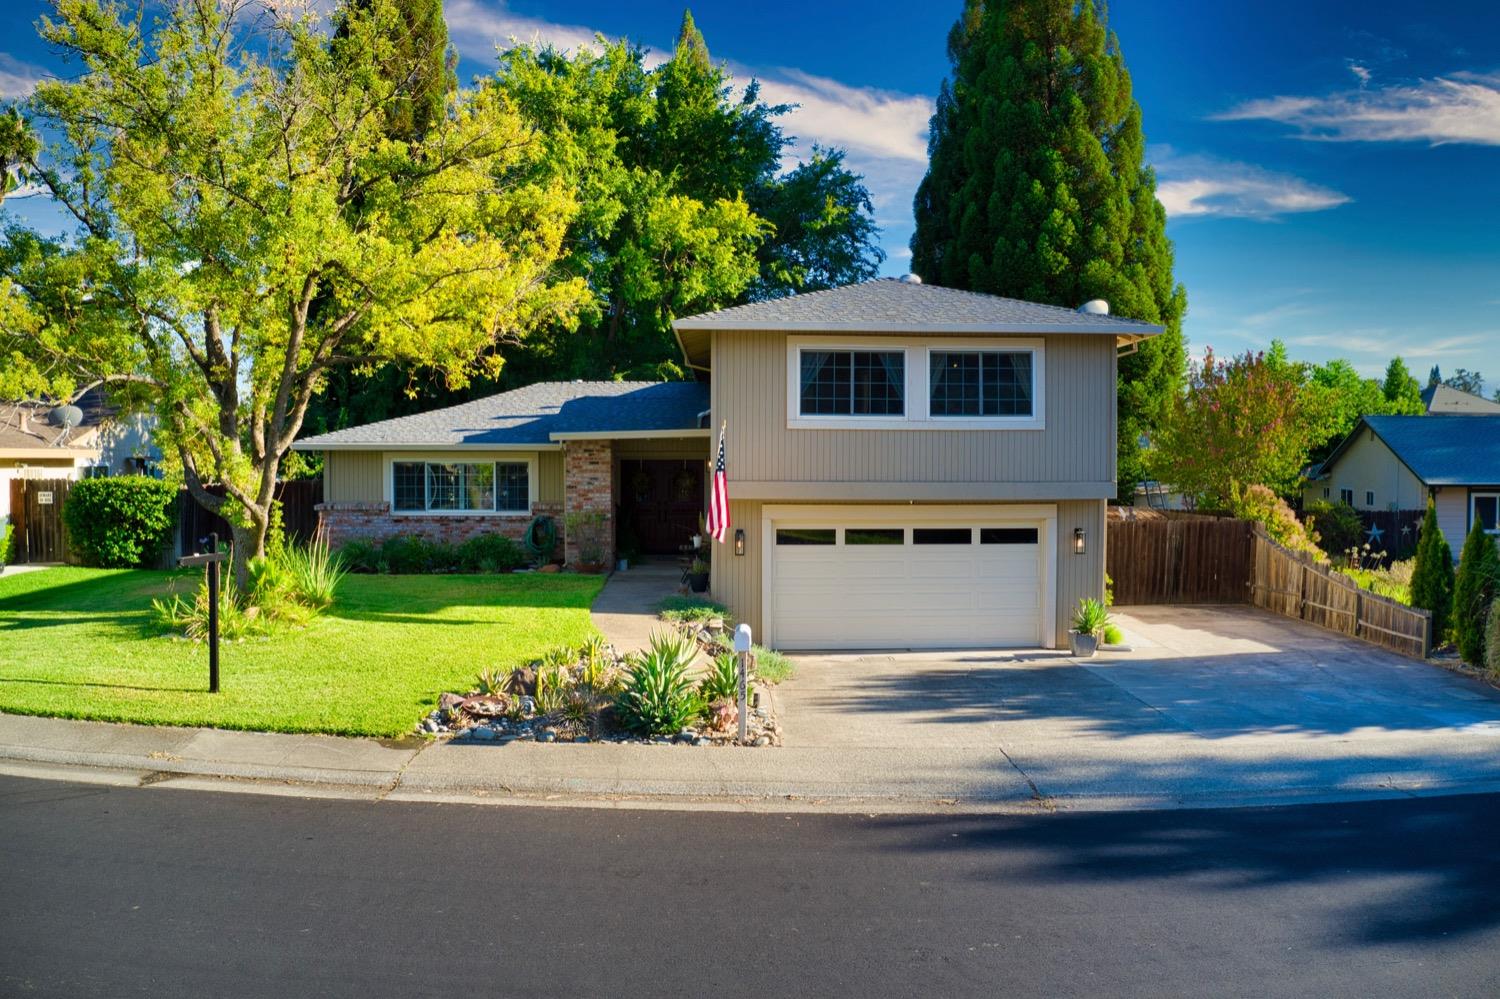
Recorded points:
(739,541)
(1080,541)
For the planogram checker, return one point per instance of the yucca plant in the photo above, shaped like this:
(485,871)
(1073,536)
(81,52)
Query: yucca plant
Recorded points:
(659,698)
(552,686)
(313,571)
(1091,618)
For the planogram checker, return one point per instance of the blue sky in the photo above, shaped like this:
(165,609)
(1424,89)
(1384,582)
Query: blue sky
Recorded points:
(1331,170)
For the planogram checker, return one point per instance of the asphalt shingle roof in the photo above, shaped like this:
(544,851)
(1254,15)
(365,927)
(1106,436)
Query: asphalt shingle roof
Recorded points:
(1442,398)
(1443,450)
(532,414)
(891,304)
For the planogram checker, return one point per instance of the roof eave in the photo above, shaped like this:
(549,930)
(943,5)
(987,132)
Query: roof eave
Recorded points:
(626,435)
(819,326)
(313,444)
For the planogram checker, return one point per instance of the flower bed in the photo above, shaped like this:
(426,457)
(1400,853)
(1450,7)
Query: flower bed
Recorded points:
(594,694)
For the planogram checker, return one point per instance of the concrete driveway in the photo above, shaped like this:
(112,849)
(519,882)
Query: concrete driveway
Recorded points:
(1211,703)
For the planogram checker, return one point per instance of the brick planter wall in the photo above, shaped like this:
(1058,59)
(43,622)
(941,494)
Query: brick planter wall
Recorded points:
(344,522)
(588,487)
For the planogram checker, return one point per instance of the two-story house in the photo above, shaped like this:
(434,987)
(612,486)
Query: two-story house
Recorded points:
(909,466)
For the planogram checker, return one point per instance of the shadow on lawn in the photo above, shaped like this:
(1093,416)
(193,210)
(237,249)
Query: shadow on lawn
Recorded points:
(111,686)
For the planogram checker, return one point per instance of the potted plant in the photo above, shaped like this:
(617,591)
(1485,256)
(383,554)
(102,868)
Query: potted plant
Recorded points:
(698,576)
(1088,625)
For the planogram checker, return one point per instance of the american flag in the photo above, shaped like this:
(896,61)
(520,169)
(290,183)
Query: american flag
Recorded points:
(717,522)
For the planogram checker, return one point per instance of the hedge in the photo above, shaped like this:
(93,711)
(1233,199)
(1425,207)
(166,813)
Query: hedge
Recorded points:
(121,522)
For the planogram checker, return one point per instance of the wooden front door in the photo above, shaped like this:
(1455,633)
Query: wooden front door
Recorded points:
(36,519)
(660,501)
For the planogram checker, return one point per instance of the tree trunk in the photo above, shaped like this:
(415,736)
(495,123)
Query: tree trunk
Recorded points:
(249,542)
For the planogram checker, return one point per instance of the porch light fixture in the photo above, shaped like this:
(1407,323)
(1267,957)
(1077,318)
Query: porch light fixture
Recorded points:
(1080,541)
(739,541)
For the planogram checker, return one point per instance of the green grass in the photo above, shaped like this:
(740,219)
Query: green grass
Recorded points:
(1381,583)
(696,609)
(78,643)
(773,667)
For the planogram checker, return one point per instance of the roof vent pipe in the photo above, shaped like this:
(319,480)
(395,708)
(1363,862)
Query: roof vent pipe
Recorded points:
(1095,307)
(910,279)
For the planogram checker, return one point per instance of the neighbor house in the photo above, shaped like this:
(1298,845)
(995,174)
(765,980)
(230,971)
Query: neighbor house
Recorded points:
(1442,398)
(909,465)
(1397,462)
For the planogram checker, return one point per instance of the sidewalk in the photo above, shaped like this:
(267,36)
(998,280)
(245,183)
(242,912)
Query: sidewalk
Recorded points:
(625,610)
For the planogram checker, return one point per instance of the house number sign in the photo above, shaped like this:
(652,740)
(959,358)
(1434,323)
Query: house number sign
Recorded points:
(44,497)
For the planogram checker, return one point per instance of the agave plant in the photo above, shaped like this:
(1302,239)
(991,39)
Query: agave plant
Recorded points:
(722,679)
(659,697)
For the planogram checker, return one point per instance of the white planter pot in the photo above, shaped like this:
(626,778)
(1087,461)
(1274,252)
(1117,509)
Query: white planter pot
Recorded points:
(1082,646)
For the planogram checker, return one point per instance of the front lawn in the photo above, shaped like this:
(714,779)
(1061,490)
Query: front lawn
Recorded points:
(78,643)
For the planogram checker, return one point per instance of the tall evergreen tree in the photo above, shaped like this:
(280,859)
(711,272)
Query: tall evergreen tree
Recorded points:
(1477,585)
(1432,575)
(1402,393)
(1435,376)
(1037,187)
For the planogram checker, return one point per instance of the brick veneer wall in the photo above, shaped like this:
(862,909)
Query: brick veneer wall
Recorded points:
(343,522)
(589,487)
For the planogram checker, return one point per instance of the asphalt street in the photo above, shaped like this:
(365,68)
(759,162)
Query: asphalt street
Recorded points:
(167,892)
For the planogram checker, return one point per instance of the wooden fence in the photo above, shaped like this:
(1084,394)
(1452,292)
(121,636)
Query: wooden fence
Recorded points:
(36,519)
(299,514)
(1288,584)
(1179,560)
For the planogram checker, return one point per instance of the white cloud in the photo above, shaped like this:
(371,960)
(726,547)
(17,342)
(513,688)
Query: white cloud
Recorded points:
(17,78)
(1459,108)
(477,28)
(1361,72)
(1389,341)
(1203,186)
(28,190)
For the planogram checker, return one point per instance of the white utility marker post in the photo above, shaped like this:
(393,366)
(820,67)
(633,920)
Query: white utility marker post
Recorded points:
(742,654)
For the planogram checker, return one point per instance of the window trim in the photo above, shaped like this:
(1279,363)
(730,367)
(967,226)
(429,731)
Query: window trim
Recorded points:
(917,362)
(527,458)
(1350,492)
(1474,513)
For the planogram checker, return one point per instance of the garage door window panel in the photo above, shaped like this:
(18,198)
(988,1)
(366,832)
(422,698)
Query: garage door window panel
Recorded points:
(942,536)
(1007,535)
(874,536)
(795,536)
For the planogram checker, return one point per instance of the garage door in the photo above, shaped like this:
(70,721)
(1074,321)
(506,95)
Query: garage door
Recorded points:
(936,584)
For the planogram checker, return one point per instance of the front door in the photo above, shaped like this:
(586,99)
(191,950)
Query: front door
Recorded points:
(660,502)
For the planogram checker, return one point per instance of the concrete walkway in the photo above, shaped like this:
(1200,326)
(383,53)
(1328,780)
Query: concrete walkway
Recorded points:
(625,610)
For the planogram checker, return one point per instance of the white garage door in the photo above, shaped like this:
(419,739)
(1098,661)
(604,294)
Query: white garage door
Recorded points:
(912,584)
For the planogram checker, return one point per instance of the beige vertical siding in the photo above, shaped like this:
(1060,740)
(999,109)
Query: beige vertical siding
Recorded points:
(549,486)
(1078,576)
(1452,504)
(1369,466)
(353,476)
(1077,446)
(736,580)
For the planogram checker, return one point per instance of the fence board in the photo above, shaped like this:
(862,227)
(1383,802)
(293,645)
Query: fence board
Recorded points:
(1179,560)
(37,526)
(1287,584)
(299,514)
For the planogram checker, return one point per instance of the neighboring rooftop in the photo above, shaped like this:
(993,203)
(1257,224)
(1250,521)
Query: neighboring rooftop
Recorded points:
(532,416)
(897,305)
(25,426)
(1441,450)
(1442,398)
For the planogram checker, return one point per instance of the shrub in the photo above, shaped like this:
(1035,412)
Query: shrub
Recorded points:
(1432,575)
(1473,592)
(490,553)
(121,522)
(771,666)
(1091,617)
(237,619)
(695,609)
(1336,525)
(312,573)
(5,542)
(721,680)
(1113,635)
(1393,581)
(658,697)
(1261,505)
(1492,641)
(409,554)
(361,555)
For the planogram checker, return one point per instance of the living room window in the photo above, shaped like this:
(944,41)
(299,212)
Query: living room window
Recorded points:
(460,487)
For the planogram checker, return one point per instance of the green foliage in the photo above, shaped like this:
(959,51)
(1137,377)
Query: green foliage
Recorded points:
(1393,581)
(553,684)
(313,571)
(771,666)
(415,46)
(1432,576)
(412,554)
(1037,188)
(6,541)
(490,553)
(238,619)
(680,608)
(1242,421)
(223,209)
(658,697)
(120,522)
(1492,641)
(1474,590)
(1403,394)
(1261,505)
(1113,635)
(1091,618)
(1465,380)
(493,681)
(722,679)
(362,555)
(1337,526)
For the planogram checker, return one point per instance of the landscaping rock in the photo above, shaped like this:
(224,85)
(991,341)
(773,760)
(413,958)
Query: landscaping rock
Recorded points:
(523,682)
(546,735)
(482,733)
(485,705)
(763,740)
(450,701)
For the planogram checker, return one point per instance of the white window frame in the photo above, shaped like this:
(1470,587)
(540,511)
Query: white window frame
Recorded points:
(1474,513)
(1342,491)
(1370,498)
(527,458)
(917,400)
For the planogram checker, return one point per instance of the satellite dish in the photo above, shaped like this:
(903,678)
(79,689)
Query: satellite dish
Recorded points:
(66,417)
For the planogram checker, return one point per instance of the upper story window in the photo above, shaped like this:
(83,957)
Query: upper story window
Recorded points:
(460,487)
(853,383)
(955,382)
(979,383)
